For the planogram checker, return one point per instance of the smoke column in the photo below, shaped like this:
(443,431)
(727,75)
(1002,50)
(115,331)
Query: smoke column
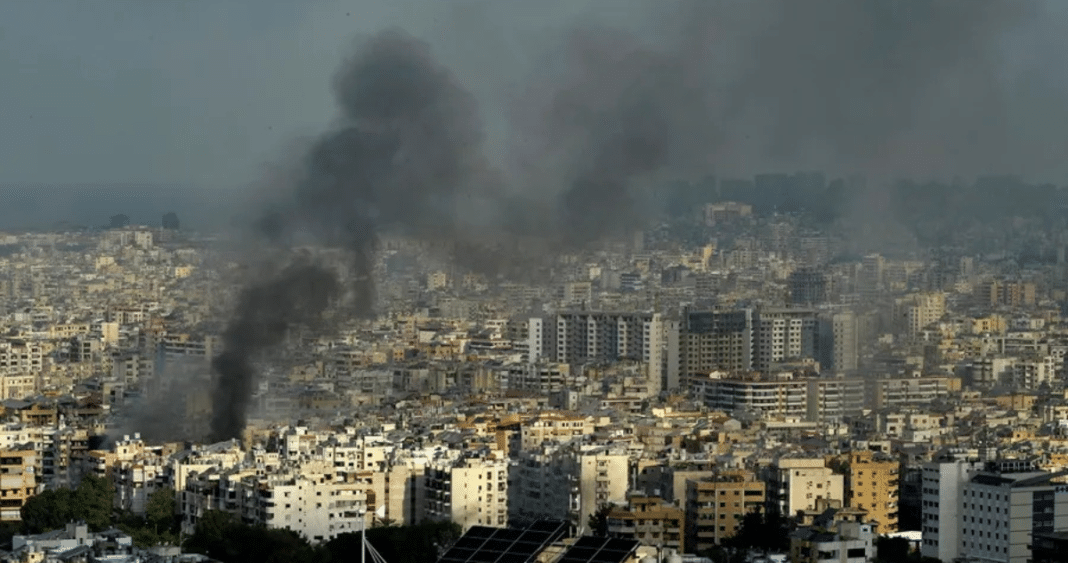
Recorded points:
(405,149)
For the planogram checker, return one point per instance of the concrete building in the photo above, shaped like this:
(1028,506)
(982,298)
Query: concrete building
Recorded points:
(807,286)
(873,486)
(716,340)
(470,492)
(17,482)
(838,350)
(796,484)
(842,541)
(781,335)
(716,506)
(942,483)
(651,521)
(1002,508)
(587,336)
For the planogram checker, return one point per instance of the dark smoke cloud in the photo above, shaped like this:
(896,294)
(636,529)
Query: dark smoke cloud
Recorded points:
(883,87)
(888,88)
(405,153)
(265,312)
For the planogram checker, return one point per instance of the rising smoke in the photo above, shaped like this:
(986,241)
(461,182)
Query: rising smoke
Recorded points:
(891,87)
(403,152)
(888,88)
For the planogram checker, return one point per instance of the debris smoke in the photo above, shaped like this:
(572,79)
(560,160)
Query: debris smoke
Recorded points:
(884,87)
(405,149)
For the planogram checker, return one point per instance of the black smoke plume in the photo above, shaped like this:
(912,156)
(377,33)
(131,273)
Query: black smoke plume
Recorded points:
(265,312)
(405,150)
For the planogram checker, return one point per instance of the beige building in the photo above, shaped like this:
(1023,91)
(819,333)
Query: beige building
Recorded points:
(798,483)
(651,521)
(603,477)
(553,428)
(17,482)
(470,492)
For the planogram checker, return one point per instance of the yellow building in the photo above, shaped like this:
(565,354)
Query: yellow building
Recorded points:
(651,521)
(873,486)
(992,324)
(17,482)
(716,506)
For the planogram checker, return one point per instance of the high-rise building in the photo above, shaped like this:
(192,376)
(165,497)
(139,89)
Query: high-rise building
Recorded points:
(870,276)
(716,340)
(783,334)
(838,342)
(1003,508)
(941,491)
(873,485)
(808,286)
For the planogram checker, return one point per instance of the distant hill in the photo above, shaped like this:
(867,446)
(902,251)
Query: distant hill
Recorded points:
(41,206)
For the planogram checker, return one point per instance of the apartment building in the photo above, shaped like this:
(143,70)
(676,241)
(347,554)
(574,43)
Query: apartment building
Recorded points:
(780,335)
(17,481)
(1010,293)
(841,541)
(19,386)
(873,485)
(588,336)
(471,491)
(21,357)
(901,392)
(568,483)
(651,521)
(942,483)
(717,504)
(716,341)
(553,427)
(833,400)
(810,398)
(540,377)
(310,503)
(783,396)
(838,349)
(1002,509)
(795,484)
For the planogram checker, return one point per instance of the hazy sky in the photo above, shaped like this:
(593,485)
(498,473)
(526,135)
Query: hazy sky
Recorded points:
(202,91)
(207,92)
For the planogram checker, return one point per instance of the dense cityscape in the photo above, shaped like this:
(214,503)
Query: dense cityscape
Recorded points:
(567,281)
(733,360)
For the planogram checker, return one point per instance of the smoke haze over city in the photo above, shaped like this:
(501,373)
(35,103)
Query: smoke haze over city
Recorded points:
(470,121)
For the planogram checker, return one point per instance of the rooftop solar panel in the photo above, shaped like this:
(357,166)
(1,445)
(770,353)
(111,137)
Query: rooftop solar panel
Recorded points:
(482,544)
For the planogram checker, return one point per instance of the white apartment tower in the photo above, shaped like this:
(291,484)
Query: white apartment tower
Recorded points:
(589,336)
(783,334)
(469,492)
(941,504)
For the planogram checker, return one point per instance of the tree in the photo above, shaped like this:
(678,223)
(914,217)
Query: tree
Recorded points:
(170,221)
(49,510)
(210,531)
(221,536)
(598,521)
(767,532)
(119,221)
(892,550)
(160,510)
(398,544)
(93,502)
